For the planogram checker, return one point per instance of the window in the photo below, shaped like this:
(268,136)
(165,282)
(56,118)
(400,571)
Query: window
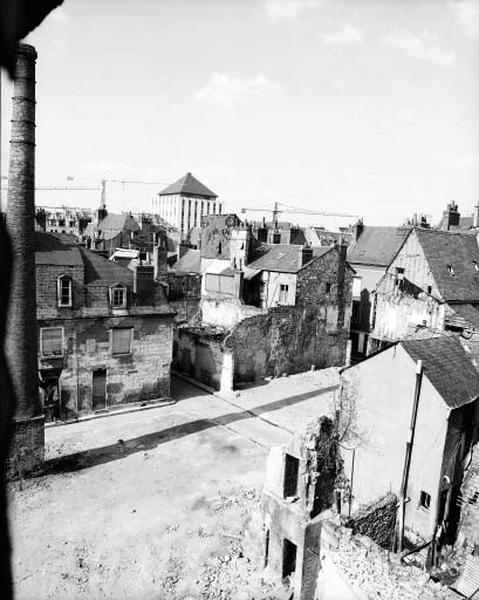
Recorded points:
(283,293)
(118,296)
(451,270)
(121,340)
(328,287)
(219,247)
(425,500)
(429,290)
(266,551)
(51,341)
(64,291)
(291,468)
(289,558)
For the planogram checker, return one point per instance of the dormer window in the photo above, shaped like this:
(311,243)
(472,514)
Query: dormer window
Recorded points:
(64,291)
(451,270)
(118,296)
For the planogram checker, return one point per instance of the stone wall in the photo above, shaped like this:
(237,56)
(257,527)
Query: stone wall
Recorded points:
(140,376)
(199,353)
(372,572)
(286,340)
(377,521)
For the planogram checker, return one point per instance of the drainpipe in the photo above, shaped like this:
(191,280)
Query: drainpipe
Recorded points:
(407,459)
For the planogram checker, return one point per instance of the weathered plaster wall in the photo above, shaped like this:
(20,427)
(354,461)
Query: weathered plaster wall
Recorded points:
(272,282)
(378,430)
(226,311)
(142,375)
(200,354)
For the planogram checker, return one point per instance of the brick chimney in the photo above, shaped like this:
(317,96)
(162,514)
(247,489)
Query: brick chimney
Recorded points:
(451,217)
(27,450)
(160,258)
(143,283)
(306,254)
(358,229)
(475,218)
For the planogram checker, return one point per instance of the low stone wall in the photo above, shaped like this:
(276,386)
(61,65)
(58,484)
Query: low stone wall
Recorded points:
(377,521)
(372,572)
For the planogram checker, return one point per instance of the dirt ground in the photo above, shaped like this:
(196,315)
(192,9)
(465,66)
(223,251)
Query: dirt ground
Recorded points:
(154,504)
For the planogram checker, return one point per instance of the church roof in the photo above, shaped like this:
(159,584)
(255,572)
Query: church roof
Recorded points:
(188,186)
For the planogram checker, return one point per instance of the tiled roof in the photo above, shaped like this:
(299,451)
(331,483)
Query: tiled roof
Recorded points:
(190,262)
(56,249)
(190,186)
(448,368)
(444,249)
(100,271)
(377,245)
(113,224)
(284,258)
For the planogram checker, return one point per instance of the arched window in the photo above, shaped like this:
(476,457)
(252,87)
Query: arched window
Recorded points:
(65,291)
(118,296)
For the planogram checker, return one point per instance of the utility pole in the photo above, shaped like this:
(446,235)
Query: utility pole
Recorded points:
(403,499)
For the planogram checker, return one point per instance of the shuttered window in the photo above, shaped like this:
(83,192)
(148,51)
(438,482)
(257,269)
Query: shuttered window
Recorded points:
(121,340)
(51,341)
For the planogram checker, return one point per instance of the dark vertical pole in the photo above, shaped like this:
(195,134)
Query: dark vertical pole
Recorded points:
(407,458)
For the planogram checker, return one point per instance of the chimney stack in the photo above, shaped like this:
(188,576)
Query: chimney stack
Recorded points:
(27,450)
(451,217)
(475,218)
(306,254)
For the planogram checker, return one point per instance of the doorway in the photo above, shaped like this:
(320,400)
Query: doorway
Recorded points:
(99,389)
(289,558)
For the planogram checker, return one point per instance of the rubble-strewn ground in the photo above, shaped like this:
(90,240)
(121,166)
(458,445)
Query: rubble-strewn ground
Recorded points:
(154,504)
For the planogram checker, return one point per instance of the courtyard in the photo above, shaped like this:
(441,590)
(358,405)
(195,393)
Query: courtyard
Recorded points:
(155,503)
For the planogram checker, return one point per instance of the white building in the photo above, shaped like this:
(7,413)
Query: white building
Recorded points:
(183,203)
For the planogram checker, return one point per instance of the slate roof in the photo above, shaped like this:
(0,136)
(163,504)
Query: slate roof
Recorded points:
(62,250)
(282,258)
(113,224)
(468,312)
(377,245)
(190,262)
(448,368)
(188,186)
(100,271)
(458,250)
(56,249)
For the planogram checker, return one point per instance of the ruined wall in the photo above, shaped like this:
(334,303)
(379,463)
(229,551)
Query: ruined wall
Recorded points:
(397,313)
(288,340)
(377,521)
(216,235)
(140,376)
(370,571)
(226,311)
(199,353)
(184,295)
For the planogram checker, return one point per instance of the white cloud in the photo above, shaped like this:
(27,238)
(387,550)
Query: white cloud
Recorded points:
(226,92)
(343,37)
(424,46)
(288,9)
(466,13)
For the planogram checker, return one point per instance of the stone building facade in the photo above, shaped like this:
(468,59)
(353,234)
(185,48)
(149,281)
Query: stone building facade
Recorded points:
(432,284)
(104,331)
(270,327)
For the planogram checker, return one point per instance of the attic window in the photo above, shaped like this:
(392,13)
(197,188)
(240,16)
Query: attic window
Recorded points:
(451,270)
(475,265)
(429,290)
(118,296)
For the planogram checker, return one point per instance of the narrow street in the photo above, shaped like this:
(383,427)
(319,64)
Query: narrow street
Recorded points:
(142,504)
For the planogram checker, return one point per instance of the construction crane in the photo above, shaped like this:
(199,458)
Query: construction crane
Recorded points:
(295,210)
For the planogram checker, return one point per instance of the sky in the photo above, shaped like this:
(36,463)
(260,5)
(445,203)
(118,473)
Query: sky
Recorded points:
(368,108)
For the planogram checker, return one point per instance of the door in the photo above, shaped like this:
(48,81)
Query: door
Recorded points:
(99,389)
